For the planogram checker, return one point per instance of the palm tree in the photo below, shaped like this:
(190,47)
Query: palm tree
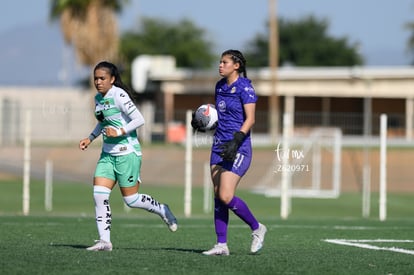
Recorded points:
(90,26)
(410,43)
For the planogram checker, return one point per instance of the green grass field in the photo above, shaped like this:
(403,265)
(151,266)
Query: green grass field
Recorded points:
(54,242)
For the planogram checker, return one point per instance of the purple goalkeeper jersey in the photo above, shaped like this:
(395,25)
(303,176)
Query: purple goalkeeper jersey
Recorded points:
(231,116)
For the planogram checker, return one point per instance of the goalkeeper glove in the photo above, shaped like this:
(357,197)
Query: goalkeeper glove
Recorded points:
(196,124)
(229,149)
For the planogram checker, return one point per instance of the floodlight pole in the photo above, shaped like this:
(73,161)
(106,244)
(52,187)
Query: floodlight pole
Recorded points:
(273,64)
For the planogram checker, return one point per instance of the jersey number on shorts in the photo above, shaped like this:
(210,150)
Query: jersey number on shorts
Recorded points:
(238,161)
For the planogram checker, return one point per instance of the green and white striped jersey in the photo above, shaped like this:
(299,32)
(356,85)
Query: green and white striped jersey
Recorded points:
(116,109)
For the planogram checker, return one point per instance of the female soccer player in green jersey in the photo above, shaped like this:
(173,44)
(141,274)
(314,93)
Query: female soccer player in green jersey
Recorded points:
(120,160)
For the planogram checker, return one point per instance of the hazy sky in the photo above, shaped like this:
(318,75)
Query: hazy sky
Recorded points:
(378,25)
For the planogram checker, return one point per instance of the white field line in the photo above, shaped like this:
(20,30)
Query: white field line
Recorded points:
(363,244)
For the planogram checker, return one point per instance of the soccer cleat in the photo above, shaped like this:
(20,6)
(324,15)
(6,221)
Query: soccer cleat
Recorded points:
(169,218)
(258,238)
(100,245)
(218,249)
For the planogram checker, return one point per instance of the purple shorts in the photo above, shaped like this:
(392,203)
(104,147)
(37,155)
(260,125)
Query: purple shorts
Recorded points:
(239,166)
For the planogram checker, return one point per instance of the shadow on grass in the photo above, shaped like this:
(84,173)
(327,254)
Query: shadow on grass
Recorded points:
(79,246)
(175,249)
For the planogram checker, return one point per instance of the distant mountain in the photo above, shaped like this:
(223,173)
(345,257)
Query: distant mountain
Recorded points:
(37,55)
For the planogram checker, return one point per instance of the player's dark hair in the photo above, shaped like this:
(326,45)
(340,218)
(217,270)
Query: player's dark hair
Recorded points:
(237,57)
(113,71)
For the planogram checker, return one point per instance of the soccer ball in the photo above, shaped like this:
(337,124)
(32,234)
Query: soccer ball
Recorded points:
(207,117)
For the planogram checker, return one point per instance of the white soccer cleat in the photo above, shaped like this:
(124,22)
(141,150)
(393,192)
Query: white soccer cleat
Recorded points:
(219,250)
(100,245)
(258,236)
(169,218)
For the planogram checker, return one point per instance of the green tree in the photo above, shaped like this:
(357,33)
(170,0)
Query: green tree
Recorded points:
(183,40)
(304,42)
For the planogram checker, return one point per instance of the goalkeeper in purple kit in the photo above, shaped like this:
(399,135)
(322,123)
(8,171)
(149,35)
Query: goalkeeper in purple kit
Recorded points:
(231,152)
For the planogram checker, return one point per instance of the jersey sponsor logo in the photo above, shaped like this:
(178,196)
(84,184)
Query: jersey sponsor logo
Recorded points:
(222,106)
(123,148)
(99,116)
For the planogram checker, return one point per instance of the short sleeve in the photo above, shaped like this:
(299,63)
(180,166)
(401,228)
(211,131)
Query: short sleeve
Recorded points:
(248,95)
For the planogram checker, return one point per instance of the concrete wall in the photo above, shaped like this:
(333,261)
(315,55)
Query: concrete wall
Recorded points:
(56,114)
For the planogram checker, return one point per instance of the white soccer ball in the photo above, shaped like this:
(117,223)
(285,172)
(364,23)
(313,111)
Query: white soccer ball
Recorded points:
(207,117)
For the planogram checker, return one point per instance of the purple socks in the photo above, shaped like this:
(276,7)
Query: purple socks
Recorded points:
(221,220)
(221,216)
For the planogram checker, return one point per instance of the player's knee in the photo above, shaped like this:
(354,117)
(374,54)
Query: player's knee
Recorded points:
(131,199)
(225,198)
